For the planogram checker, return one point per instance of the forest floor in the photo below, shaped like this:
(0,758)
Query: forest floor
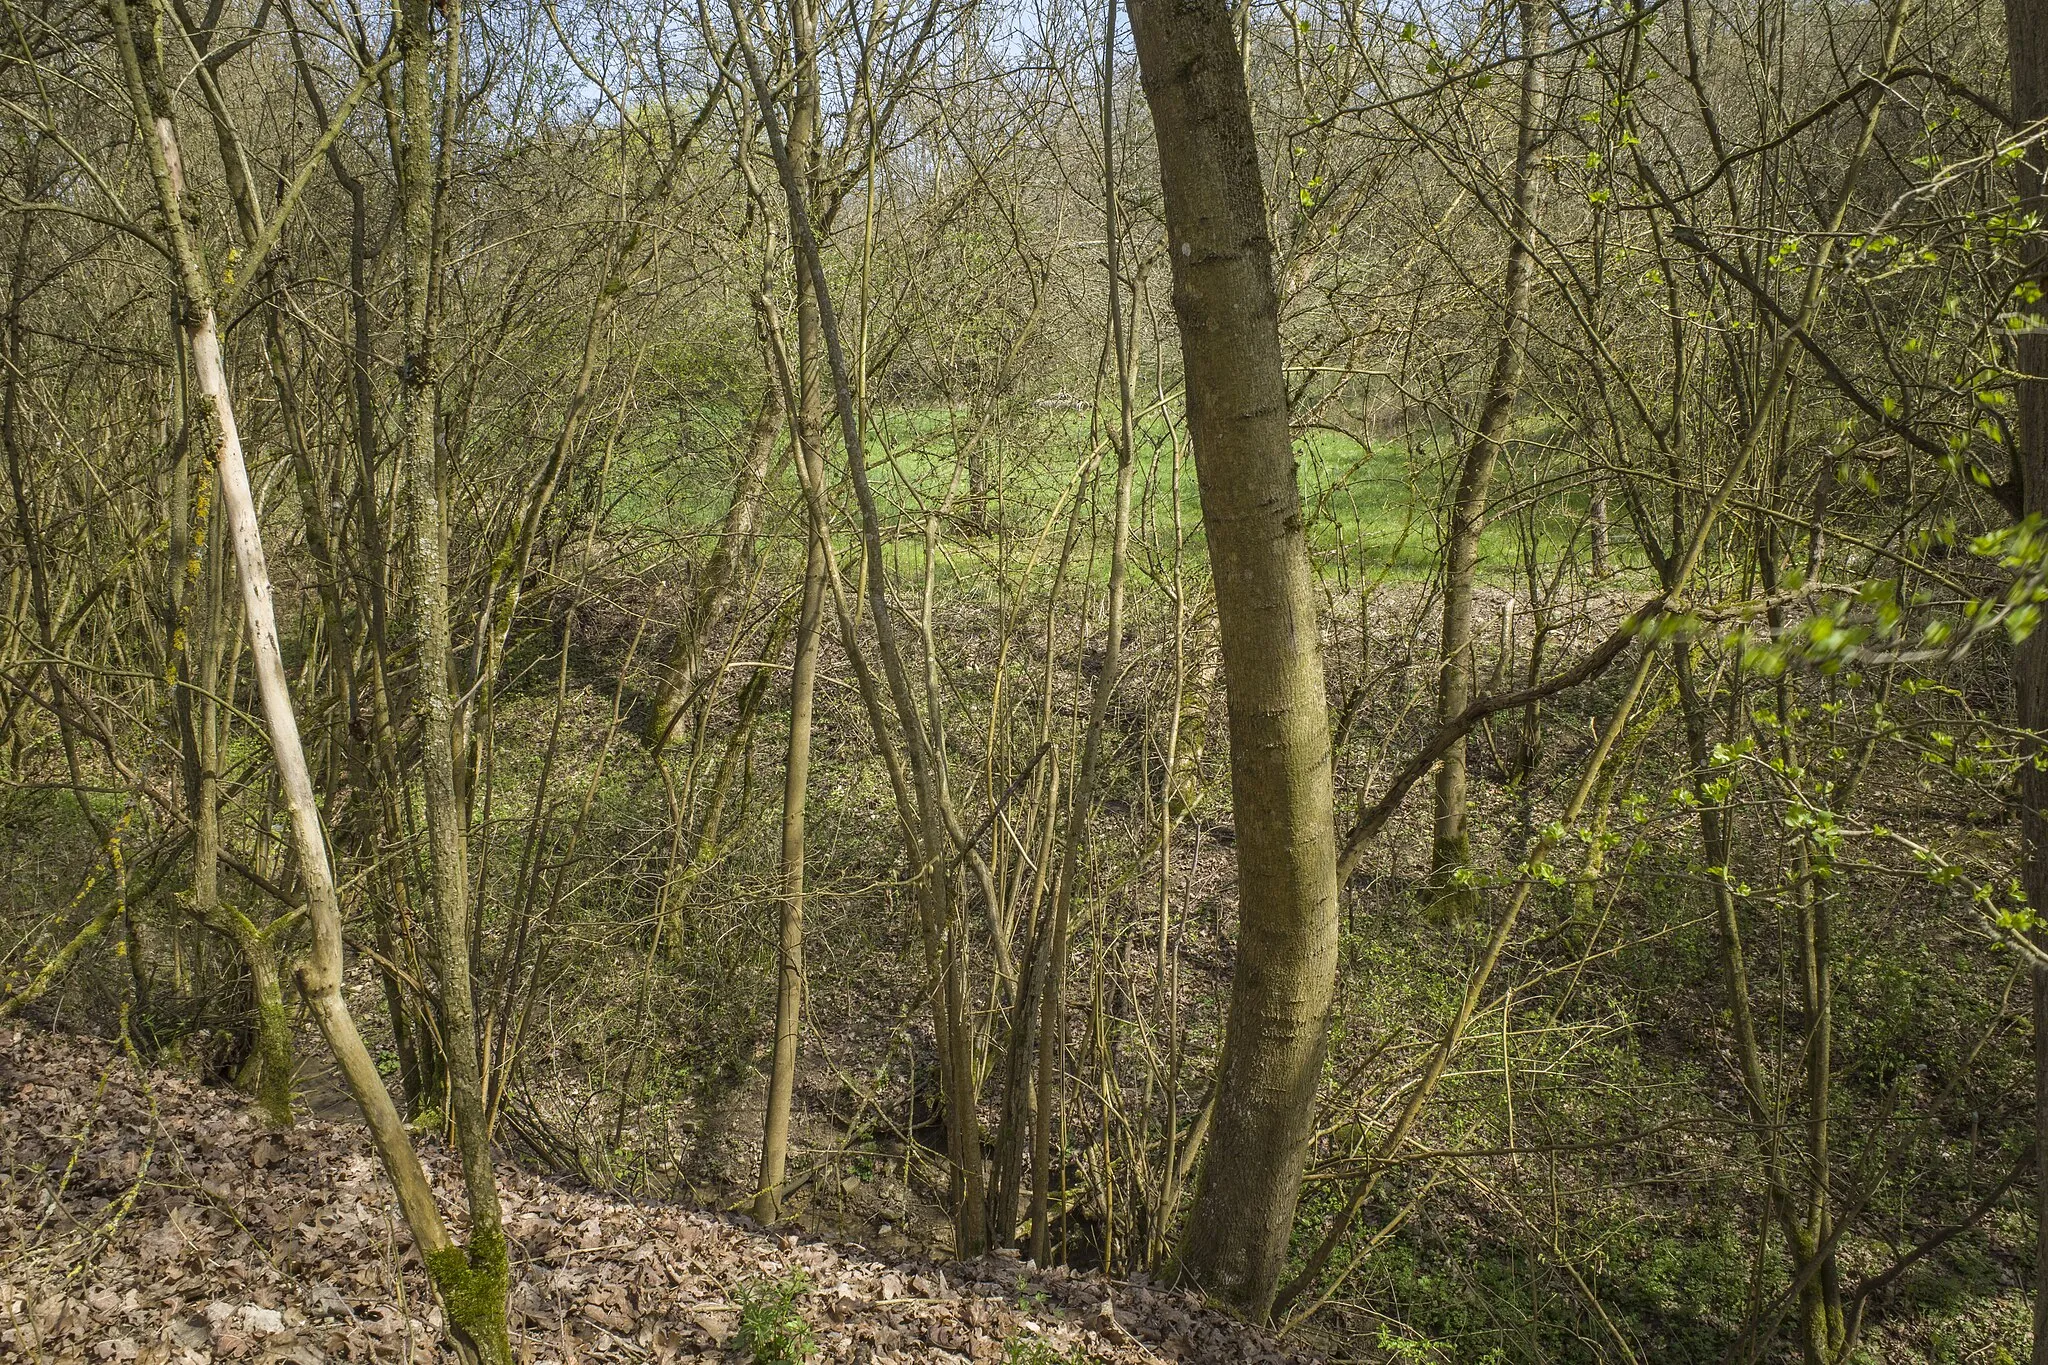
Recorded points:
(148,1218)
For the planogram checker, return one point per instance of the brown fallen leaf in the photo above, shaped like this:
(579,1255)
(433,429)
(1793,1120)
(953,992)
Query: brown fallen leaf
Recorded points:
(333,1278)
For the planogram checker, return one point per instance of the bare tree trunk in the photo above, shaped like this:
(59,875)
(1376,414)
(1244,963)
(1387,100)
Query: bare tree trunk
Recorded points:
(1048,999)
(1452,852)
(320,973)
(1597,530)
(2027,52)
(1818,1337)
(806,449)
(789,959)
(200,640)
(927,819)
(1177,1155)
(269,1073)
(374,819)
(1227,306)
(472,1280)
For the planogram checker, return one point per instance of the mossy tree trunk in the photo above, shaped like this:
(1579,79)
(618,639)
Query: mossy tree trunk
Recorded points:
(269,1075)
(471,1280)
(138,35)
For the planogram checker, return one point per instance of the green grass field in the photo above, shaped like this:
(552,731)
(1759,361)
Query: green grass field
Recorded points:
(1374,512)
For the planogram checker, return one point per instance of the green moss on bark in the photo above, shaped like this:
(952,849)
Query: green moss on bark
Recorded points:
(268,1074)
(472,1283)
(274,1051)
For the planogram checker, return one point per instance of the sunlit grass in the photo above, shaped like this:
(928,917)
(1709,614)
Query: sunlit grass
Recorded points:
(1375,511)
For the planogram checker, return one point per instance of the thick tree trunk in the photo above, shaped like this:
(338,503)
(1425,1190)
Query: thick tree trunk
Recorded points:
(270,1075)
(2027,52)
(1228,308)
(1453,842)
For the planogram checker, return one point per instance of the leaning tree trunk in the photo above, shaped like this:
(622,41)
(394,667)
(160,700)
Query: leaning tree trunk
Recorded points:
(1228,308)
(320,973)
(1452,852)
(924,810)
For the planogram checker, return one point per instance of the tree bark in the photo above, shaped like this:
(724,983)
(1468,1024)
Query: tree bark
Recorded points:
(789,958)
(1044,993)
(472,1279)
(2027,51)
(927,819)
(1452,852)
(1228,307)
(136,35)
(806,447)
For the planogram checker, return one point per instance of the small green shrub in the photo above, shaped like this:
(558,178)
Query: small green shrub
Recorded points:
(771,1330)
(1036,1350)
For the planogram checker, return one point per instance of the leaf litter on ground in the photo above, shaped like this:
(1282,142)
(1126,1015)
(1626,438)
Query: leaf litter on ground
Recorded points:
(147,1218)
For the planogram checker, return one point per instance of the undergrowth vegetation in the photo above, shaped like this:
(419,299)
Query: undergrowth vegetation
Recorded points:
(682,594)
